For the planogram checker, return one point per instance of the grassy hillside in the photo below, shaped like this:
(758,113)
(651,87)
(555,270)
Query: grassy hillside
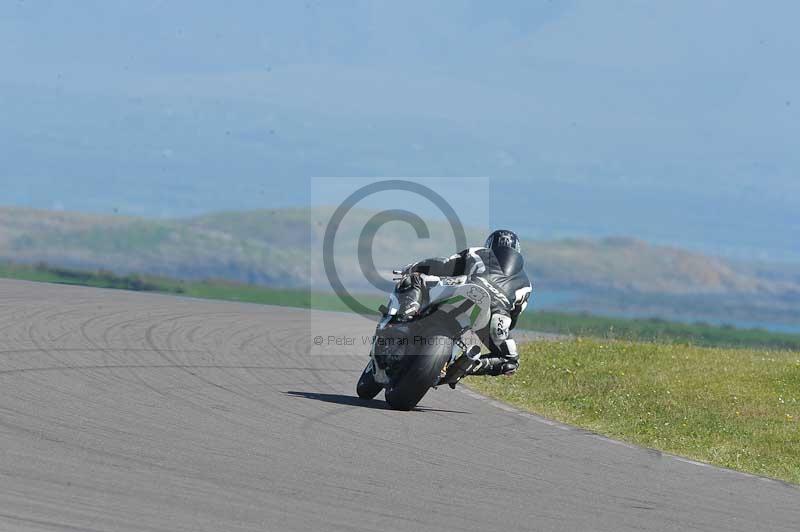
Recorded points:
(280,248)
(736,408)
(170,248)
(627,264)
(273,247)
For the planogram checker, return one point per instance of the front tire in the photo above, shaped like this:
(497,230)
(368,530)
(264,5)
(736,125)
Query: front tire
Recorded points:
(367,387)
(422,373)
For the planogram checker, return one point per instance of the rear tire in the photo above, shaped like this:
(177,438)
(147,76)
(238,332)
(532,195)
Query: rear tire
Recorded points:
(422,373)
(367,387)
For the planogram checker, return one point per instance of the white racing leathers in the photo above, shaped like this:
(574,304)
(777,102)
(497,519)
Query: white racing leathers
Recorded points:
(503,275)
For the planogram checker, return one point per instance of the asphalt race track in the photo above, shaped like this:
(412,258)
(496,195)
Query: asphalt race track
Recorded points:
(141,412)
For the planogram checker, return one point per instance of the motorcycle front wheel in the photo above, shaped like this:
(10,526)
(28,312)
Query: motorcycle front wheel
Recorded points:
(367,387)
(422,372)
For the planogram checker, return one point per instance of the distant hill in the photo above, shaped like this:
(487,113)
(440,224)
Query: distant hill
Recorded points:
(274,247)
(633,265)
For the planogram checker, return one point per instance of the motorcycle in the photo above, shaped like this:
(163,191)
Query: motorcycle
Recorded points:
(408,357)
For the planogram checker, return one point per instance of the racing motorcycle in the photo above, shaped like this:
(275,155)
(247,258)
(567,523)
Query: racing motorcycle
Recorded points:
(410,356)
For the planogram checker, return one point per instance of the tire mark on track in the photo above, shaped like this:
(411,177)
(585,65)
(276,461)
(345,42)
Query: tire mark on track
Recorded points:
(161,366)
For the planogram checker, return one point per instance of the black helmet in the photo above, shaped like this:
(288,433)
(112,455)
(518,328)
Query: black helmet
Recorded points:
(503,238)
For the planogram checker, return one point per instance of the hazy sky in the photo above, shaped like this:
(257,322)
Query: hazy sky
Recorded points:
(672,121)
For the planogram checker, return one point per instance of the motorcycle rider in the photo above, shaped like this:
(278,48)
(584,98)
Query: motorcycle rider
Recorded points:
(498,267)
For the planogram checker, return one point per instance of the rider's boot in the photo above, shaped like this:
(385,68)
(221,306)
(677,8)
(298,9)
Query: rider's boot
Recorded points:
(493,365)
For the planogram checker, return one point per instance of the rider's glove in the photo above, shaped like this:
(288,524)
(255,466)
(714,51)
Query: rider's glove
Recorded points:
(405,270)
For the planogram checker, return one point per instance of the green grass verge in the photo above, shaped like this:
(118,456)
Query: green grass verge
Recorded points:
(208,289)
(736,408)
(657,330)
(651,330)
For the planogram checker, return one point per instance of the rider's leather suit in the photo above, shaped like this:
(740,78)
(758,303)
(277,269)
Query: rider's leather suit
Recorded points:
(501,273)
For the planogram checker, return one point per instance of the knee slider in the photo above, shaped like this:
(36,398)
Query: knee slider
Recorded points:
(499,328)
